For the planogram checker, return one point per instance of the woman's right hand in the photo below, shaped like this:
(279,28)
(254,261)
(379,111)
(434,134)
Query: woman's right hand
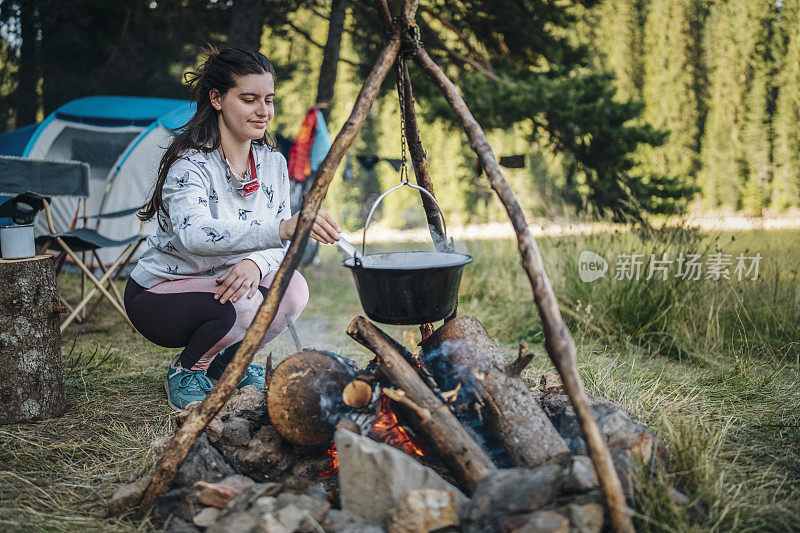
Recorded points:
(325,229)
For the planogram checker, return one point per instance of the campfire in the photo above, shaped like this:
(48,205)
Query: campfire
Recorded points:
(426,440)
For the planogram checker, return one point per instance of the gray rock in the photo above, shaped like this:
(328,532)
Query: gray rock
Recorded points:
(580,474)
(179,525)
(177,503)
(248,403)
(511,491)
(248,522)
(373,477)
(267,455)
(361,528)
(238,481)
(628,469)
(245,499)
(616,425)
(265,505)
(296,519)
(336,519)
(537,522)
(313,507)
(235,435)
(256,517)
(317,491)
(204,463)
(553,405)
(128,496)
(586,518)
(423,510)
(206,517)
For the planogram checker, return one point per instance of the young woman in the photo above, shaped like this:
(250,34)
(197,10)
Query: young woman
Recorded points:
(221,199)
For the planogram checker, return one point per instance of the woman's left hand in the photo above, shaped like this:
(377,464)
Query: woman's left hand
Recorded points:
(240,279)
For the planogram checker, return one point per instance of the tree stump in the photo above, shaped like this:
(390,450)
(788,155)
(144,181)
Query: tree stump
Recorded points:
(31,382)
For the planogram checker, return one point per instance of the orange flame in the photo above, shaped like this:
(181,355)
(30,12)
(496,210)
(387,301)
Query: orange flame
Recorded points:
(334,465)
(388,429)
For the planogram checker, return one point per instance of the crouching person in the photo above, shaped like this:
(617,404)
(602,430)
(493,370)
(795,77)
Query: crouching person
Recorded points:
(221,200)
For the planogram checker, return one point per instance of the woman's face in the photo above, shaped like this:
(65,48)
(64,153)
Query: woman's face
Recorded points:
(247,108)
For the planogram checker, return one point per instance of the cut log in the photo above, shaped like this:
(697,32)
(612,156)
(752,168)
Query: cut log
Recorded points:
(462,351)
(430,417)
(305,397)
(31,382)
(357,394)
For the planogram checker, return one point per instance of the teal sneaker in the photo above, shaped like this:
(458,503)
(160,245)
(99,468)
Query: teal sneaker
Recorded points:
(253,376)
(185,386)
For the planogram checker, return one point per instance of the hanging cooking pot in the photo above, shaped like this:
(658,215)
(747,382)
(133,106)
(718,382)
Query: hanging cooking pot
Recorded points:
(407,287)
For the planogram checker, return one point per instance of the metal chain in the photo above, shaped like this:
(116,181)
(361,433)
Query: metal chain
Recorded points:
(401,63)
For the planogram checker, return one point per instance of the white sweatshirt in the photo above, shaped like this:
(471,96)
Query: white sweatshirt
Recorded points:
(211,226)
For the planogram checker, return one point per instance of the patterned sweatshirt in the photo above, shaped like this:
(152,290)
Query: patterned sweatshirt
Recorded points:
(211,226)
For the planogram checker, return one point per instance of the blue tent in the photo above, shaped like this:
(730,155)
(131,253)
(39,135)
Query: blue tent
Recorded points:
(121,137)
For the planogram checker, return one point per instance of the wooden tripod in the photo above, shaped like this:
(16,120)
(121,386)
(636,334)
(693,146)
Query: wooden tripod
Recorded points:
(559,344)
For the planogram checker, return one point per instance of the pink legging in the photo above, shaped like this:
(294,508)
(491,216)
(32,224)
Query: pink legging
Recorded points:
(184,313)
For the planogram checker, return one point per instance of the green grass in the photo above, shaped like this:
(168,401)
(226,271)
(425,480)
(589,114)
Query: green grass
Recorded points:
(712,366)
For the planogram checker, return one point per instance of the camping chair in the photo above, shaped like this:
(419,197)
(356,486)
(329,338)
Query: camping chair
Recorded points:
(34,178)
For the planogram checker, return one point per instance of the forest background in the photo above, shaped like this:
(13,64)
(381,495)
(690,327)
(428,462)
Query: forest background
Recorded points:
(616,107)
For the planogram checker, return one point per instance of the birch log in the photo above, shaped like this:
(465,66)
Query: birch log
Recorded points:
(31,382)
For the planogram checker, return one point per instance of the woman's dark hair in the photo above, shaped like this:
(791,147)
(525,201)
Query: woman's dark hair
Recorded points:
(202,133)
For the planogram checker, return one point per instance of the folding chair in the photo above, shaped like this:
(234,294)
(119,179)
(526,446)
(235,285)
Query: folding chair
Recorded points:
(35,178)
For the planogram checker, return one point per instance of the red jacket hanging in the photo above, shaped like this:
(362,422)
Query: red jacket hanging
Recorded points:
(299,164)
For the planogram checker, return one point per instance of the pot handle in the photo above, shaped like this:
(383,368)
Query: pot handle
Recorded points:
(384,195)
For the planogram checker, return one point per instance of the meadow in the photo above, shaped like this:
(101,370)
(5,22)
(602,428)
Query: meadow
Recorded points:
(711,365)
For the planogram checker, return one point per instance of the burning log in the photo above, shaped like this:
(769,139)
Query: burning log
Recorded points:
(305,396)
(461,350)
(462,455)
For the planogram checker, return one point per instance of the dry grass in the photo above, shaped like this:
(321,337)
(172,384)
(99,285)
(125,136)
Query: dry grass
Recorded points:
(725,402)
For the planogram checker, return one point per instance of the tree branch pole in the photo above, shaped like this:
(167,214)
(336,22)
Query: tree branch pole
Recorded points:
(384,14)
(420,162)
(179,447)
(559,344)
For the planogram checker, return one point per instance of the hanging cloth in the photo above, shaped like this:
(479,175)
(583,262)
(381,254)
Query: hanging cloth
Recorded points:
(322,143)
(367,162)
(347,175)
(299,164)
(512,161)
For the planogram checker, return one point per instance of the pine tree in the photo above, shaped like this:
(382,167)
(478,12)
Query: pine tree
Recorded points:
(720,175)
(736,143)
(760,104)
(786,182)
(617,35)
(672,77)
